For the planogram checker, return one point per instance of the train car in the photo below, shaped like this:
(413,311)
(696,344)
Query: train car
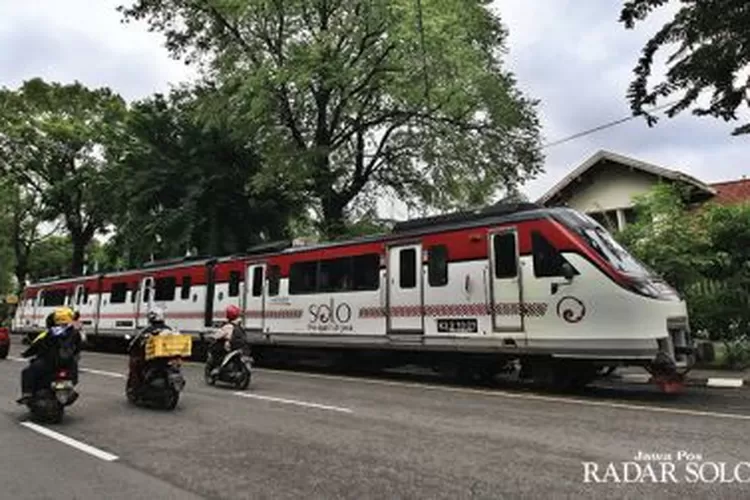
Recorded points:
(475,292)
(41,299)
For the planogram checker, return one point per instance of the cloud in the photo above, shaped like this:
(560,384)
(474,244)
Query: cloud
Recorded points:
(577,59)
(571,54)
(85,41)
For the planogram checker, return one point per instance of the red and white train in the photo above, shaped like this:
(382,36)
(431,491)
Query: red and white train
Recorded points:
(548,287)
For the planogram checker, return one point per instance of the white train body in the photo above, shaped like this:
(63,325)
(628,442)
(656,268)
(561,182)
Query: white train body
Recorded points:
(519,282)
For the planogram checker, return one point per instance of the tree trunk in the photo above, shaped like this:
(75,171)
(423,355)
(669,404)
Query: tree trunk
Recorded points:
(79,255)
(333,225)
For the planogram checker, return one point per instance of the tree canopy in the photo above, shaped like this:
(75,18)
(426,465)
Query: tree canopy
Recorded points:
(190,186)
(704,252)
(55,143)
(712,54)
(351,98)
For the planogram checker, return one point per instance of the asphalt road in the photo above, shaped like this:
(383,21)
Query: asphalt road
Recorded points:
(304,435)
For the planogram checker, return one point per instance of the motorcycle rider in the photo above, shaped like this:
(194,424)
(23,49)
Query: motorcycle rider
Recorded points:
(56,347)
(137,347)
(228,337)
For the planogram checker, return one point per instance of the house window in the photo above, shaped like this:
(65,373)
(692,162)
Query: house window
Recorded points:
(504,246)
(631,217)
(437,266)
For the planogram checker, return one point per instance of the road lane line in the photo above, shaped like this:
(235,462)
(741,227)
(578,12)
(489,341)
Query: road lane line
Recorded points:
(96,452)
(294,402)
(87,370)
(725,382)
(511,395)
(100,372)
(493,393)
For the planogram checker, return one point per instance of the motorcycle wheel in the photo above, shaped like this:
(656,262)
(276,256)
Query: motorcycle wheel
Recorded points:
(210,379)
(56,415)
(244,382)
(171,399)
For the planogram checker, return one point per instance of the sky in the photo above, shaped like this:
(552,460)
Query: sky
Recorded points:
(572,55)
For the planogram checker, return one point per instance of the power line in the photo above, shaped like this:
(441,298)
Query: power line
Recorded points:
(603,127)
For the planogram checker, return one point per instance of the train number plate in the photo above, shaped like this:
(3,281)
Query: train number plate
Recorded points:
(460,325)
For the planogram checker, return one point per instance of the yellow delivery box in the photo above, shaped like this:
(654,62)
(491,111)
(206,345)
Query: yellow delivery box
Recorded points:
(168,345)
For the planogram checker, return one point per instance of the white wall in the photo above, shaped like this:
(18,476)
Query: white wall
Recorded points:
(611,188)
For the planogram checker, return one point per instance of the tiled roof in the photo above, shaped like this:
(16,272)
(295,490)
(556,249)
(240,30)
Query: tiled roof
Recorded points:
(732,192)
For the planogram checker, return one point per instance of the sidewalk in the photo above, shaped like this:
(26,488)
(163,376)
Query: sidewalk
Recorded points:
(696,377)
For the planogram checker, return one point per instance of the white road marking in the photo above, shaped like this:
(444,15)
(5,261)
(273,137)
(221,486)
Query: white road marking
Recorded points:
(725,382)
(100,372)
(87,370)
(500,394)
(530,397)
(96,452)
(294,402)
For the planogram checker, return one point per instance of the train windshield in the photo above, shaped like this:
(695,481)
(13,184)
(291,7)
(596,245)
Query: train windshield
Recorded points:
(600,240)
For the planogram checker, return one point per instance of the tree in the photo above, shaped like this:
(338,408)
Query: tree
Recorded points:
(189,186)
(667,237)
(349,98)
(51,257)
(712,54)
(57,141)
(23,214)
(704,252)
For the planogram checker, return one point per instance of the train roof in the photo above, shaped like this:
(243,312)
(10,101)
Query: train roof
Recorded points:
(493,214)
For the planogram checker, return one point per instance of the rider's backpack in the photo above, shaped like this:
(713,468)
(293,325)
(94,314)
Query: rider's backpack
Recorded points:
(238,338)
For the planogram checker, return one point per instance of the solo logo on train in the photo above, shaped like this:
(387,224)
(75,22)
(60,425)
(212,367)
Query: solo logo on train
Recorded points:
(330,317)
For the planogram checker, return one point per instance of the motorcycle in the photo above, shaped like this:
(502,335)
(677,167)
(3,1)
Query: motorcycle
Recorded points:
(161,383)
(49,403)
(236,367)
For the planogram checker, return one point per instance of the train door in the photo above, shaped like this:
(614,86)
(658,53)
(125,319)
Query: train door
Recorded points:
(506,291)
(37,317)
(405,307)
(254,297)
(145,299)
(78,297)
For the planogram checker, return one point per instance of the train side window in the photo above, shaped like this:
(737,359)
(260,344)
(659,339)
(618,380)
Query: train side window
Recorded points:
(335,275)
(437,266)
(366,272)
(274,280)
(187,282)
(79,295)
(164,289)
(506,263)
(234,283)
(134,293)
(86,295)
(257,281)
(407,268)
(548,261)
(118,293)
(303,277)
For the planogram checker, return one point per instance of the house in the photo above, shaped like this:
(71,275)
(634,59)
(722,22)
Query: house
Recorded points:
(605,186)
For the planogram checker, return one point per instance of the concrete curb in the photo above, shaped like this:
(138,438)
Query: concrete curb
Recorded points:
(723,382)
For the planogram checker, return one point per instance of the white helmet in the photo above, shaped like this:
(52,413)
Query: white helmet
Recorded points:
(155,315)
